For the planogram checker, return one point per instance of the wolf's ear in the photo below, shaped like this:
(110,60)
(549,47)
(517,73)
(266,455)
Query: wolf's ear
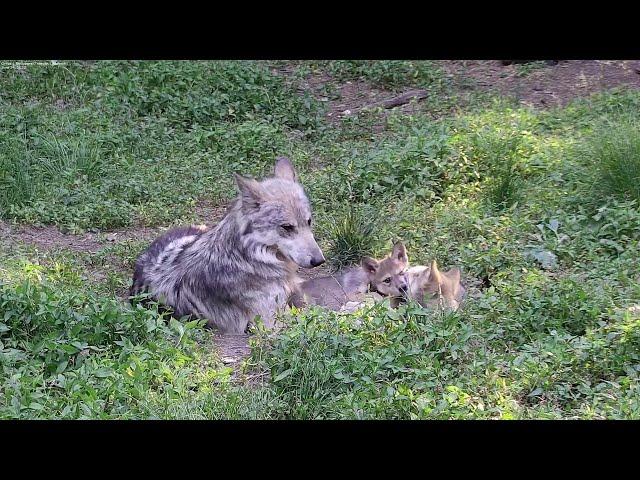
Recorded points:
(400,252)
(370,265)
(250,191)
(284,170)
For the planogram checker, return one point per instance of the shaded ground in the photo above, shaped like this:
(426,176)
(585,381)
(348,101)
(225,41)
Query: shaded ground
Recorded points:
(537,85)
(547,85)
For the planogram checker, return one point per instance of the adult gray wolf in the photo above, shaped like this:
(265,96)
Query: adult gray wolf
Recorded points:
(243,267)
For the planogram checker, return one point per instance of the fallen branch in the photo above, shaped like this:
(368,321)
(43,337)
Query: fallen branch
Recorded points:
(391,102)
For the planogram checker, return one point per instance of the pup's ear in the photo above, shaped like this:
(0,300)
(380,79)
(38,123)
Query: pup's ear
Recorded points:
(370,265)
(284,170)
(400,252)
(434,274)
(251,192)
(454,275)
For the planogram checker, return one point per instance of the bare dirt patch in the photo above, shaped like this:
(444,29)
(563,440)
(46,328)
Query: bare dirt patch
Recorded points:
(338,97)
(47,238)
(50,238)
(549,85)
(232,349)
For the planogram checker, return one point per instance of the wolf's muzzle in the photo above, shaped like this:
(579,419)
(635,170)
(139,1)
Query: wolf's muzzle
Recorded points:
(315,261)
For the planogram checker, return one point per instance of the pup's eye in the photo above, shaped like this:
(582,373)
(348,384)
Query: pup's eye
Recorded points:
(387,280)
(288,228)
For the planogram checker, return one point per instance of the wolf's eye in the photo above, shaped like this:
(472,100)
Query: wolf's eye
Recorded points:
(288,228)
(387,280)
(309,222)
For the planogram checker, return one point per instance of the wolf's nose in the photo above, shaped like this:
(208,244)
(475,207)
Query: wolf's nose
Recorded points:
(403,288)
(315,261)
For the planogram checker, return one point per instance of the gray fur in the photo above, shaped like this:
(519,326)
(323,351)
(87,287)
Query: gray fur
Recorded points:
(334,291)
(243,267)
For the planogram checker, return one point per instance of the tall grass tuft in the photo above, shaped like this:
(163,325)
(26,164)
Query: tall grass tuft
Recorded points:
(613,150)
(70,157)
(16,183)
(352,237)
(504,190)
(500,151)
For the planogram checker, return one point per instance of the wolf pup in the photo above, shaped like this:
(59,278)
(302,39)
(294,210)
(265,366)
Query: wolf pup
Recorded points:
(432,288)
(384,277)
(243,267)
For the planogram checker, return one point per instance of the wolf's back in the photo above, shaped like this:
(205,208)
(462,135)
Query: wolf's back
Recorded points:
(149,259)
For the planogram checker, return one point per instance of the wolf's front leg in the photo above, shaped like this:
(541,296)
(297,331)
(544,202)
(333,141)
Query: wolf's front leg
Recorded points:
(298,300)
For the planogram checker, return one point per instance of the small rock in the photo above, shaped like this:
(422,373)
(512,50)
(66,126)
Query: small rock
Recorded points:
(347,112)
(634,309)
(111,237)
(227,360)
(60,104)
(547,260)
(537,88)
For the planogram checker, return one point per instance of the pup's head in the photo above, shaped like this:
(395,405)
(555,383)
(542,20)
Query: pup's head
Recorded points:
(434,288)
(387,276)
(277,215)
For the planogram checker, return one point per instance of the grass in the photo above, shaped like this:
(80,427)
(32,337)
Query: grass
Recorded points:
(138,142)
(77,356)
(112,144)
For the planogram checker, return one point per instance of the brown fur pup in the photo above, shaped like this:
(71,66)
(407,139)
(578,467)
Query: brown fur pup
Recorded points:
(432,288)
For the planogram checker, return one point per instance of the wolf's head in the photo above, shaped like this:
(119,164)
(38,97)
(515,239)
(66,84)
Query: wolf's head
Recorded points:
(387,276)
(277,215)
(432,288)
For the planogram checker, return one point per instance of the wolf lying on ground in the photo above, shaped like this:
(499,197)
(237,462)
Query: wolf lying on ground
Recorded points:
(432,288)
(385,277)
(243,267)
